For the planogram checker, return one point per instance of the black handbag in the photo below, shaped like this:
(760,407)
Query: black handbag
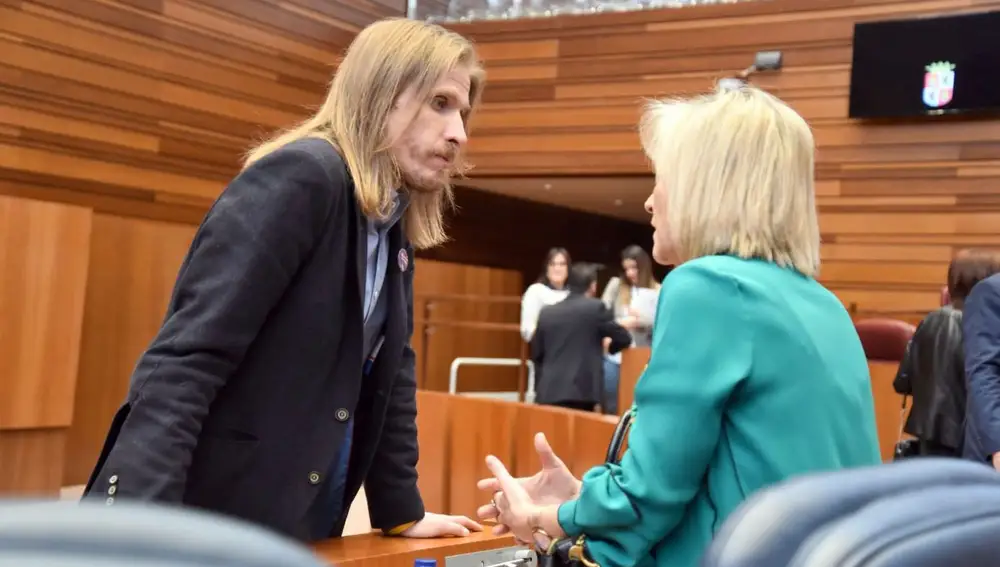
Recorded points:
(905,448)
(572,552)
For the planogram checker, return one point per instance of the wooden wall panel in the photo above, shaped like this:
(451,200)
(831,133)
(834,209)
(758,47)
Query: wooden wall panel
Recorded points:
(490,229)
(896,199)
(144,109)
(31,462)
(433,421)
(140,111)
(44,260)
(133,267)
(442,342)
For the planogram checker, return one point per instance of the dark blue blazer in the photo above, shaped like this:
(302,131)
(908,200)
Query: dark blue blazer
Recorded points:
(242,399)
(981,331)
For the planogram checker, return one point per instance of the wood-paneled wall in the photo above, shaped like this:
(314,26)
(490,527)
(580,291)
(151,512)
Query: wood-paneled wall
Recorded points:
(143,109)
(439,289)
(139,111)
(512,233)
(895,199)
(44,262)
(133,266)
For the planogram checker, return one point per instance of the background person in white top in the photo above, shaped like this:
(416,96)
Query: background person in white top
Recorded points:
(550,288)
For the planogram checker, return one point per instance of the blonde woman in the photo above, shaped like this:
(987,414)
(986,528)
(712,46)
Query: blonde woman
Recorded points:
(756,373)
(282,378)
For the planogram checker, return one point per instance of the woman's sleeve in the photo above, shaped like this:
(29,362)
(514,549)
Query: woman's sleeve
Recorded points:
(700,353)
(531,305)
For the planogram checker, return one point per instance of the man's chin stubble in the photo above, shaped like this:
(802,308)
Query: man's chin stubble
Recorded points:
(424,186)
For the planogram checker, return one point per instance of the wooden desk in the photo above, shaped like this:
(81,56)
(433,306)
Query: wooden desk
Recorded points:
(376,550)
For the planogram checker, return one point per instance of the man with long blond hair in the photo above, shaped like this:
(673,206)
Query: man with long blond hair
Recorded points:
(282,378)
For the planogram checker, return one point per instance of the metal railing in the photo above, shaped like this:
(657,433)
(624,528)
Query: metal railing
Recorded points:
(427,323)
(474,10)
(529,394)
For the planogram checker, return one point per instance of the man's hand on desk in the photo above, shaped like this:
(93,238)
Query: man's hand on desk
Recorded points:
(551,486)
(439,525)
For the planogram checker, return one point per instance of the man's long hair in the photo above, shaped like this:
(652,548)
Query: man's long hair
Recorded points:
(385,59)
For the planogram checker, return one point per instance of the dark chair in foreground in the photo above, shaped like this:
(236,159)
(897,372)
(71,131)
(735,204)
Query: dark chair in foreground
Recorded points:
(72,534)
(921,513)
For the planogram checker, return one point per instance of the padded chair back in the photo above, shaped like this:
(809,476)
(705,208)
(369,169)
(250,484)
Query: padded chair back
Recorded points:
(772,526)
(90,534)
(884,339)
(944,526)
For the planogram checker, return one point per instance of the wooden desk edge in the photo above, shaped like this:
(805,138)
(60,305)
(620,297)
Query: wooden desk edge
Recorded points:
(376,550)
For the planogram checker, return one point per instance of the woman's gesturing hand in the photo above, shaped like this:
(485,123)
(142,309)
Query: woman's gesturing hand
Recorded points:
(552,485)
(518,512)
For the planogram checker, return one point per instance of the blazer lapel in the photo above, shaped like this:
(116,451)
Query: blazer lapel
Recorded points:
(361,255)
(395,324)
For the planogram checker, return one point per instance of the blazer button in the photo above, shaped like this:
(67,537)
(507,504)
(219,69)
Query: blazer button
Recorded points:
(342,415)
(113,479)
(110,501)
(314,477)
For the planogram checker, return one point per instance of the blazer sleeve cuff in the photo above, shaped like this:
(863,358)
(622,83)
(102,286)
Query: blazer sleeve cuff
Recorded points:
(397,508)
(991,447)
(567,521)
(398,530)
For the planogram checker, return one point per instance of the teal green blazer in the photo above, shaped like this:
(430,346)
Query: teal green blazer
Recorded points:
(756,375)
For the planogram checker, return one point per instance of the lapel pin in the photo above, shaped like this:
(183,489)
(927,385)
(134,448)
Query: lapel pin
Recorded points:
(404,260)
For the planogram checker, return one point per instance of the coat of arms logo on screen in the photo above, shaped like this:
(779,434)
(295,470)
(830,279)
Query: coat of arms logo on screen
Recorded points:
(939,84)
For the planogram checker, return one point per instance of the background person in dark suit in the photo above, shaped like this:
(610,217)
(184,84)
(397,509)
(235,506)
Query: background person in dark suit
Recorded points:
(567,347)
(932,371)
(981,341)
(282,378)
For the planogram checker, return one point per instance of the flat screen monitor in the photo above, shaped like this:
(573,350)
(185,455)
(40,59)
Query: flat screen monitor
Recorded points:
(926,66)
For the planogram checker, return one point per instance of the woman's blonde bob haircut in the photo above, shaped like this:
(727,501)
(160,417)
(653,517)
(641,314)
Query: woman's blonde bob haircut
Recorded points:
(737,167)
(385,59)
